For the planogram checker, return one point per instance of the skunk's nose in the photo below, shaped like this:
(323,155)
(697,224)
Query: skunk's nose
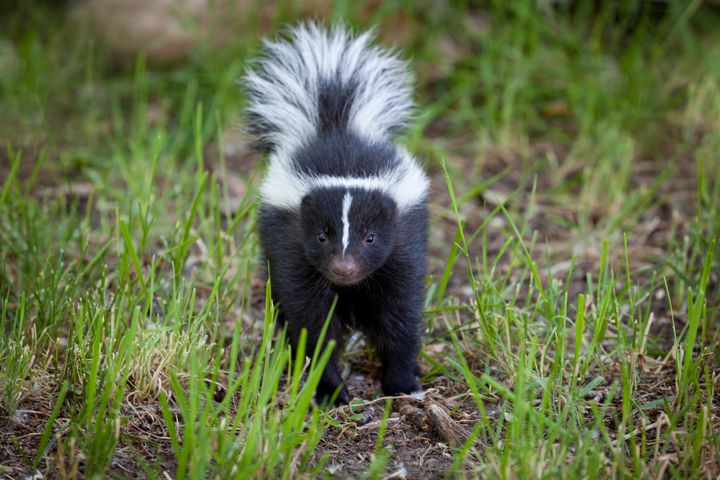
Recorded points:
(345,267)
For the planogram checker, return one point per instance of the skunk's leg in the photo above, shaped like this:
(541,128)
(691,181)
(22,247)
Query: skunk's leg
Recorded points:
(396,338)
(331,378)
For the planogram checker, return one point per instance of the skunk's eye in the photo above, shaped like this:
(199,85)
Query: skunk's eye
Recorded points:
(322,237)
(370,238)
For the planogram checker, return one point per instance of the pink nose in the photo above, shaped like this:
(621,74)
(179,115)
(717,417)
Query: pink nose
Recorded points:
(344,267)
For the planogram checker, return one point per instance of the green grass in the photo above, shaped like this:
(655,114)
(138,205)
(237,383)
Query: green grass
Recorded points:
(573,302)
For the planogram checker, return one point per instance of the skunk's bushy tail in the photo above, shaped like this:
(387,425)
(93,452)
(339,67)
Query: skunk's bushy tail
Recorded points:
(320,80)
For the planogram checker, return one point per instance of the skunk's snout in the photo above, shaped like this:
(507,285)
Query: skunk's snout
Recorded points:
(344,270)
(345,267)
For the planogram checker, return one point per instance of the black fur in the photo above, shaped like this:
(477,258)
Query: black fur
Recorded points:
(342,153)
(386,304)
(334,102)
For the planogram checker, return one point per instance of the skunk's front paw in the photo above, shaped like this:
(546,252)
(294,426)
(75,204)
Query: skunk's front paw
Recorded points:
(323,396)
(408,386)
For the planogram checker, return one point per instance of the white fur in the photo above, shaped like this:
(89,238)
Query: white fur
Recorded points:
(418,394)
(347,200)
(406,184)
(283,89)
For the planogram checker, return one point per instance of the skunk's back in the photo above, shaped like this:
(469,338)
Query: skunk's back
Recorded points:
(320,80)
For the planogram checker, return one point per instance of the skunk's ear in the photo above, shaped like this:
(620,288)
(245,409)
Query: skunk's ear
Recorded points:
(391,209)
(311,210)
(387,209)
(305,202)
(307,206)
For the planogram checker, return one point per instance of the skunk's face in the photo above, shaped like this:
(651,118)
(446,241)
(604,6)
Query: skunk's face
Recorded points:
(347,234)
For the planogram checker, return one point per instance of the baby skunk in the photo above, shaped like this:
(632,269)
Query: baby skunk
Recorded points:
(343,209)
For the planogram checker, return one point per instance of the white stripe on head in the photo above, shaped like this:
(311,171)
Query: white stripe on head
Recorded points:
(347,200)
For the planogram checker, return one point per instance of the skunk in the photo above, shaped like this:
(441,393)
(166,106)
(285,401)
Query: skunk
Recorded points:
(343,209)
